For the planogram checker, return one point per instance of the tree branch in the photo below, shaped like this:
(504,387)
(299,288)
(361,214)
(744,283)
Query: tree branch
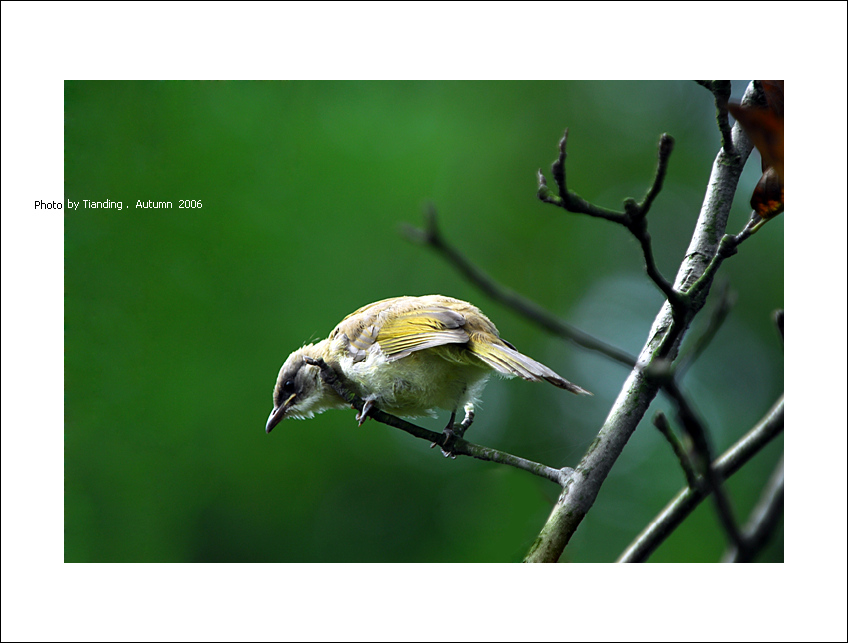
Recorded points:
(726,300)
(763,521)
(633,217)
(431,236)
(687,499)
(661,422)
(663,343)
(721,92)
(698,435)
(727,247)
(567,199)
(457,446)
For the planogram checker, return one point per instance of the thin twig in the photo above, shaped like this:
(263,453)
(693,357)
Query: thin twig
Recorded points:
(697,432)
(458,446)
(727,247)
(640,231)
(633,217)
(431,236)
(763,521)
(721,93)
(663,155)
(726,300)
(568,199)
(662,423)
(688,498)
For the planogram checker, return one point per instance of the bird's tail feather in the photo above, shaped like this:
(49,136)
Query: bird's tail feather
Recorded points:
(510,362)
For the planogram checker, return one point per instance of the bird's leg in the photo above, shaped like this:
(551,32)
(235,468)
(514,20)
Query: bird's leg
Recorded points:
(469,418)
(454,431)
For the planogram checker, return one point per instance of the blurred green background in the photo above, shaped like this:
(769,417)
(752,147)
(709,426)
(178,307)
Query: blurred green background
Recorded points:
(177,321)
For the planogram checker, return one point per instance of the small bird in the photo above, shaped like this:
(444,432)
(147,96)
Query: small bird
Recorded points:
(407,356)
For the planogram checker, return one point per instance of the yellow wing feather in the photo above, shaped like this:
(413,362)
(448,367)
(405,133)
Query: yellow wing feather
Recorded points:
(459,331)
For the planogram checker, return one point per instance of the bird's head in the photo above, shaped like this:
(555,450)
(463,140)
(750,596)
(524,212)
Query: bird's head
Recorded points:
(300,392)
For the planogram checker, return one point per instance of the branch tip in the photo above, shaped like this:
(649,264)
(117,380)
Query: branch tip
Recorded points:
(666,144)
(558,167)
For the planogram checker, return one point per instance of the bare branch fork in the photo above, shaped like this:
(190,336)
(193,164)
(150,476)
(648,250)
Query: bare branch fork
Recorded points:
(710,480)
(709,246)
(634,216)
(745,543)
(696,466)
(687,499)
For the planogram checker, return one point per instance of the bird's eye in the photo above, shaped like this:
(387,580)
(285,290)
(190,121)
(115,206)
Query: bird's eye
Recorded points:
(288,387)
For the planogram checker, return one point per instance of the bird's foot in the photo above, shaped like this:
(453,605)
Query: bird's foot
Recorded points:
(454,432)
(448,439)
(362,415)
(450,435)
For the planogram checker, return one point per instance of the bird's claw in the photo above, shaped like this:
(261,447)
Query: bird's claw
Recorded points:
(449,437)
(362,415)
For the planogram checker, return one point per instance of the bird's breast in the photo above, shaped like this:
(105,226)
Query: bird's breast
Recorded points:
(414,385)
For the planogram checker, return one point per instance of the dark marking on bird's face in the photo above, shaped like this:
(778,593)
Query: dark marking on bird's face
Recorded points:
(285,388)
(295,383)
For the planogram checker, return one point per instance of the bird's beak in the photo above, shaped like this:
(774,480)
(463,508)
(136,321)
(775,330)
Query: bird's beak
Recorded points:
(278,414)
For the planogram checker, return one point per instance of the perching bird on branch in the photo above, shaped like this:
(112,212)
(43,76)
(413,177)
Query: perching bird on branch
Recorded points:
(407,356)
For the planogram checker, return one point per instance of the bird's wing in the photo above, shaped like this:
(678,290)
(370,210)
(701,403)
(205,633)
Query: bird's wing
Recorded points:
(418,329)
(401,333)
